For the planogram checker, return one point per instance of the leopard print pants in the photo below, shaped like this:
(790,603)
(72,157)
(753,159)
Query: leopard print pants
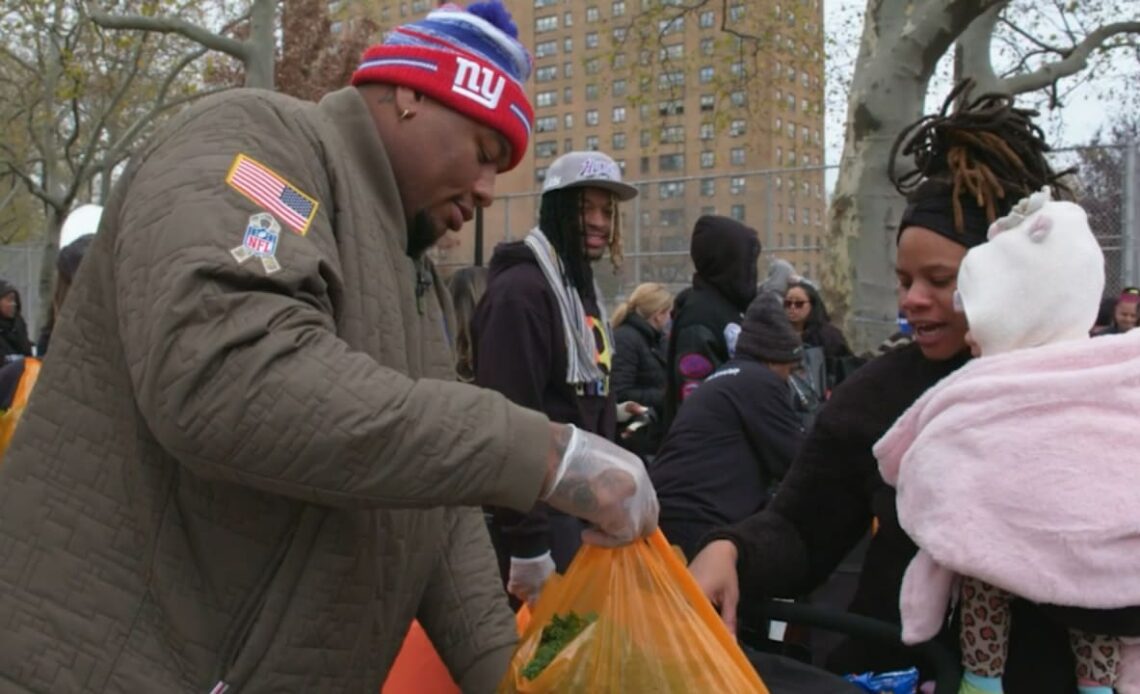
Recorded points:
(985,638)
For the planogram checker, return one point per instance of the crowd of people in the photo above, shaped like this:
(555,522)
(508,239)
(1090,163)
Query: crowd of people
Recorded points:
(270,436)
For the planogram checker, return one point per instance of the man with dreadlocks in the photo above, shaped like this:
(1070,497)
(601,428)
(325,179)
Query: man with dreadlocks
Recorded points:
(542,338)
(971,165)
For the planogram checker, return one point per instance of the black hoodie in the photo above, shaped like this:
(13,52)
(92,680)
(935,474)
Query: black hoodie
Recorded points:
(14,340)
(520,351)
(724,252)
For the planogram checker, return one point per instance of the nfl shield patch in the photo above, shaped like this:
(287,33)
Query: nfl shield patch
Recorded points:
(262,234)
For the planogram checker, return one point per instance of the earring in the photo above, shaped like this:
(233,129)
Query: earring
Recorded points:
(405,114)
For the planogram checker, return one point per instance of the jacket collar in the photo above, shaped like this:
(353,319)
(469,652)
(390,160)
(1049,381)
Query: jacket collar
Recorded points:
(350,117)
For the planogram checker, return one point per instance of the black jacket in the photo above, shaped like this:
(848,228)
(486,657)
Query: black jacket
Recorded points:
(825,506)
(14,340)
(639,363)
(731,443)
(724,253)
(520,351)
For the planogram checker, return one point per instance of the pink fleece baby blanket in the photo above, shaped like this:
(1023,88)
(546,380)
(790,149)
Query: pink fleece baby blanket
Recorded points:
(1023,470)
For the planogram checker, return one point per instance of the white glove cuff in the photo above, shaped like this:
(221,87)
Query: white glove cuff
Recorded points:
(571,449)
(540,559)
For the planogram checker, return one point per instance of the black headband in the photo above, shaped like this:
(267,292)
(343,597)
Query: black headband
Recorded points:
(935,211)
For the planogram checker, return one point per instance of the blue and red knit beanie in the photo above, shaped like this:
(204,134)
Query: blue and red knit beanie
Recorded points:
(468,59)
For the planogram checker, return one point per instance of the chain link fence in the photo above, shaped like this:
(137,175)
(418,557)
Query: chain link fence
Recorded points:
(20,267)
(788,207)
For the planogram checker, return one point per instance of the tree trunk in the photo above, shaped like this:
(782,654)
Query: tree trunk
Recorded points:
(261,45)
(55,217)
(902,43)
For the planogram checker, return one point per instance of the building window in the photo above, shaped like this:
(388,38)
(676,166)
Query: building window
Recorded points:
(591,92)
(673,107)
(737,69)
(779,183)
(671,162)
(708,19)
(619,60)
(545,3)
(568,145)
(736,13)
(792,130)
(545,48)
(708,103)
(644,170)
(568,45)
(592,117)
(592,143)
(672,218)
(544,24)
(592,14)
(568,19)
(671,189)
(619,114)
(708,187)
(593,66)
(621,165)
(707,131)
(738,98)
(780,156)
(592,39)
(546,124)
(736,185)
(546,73)
(643,111)
(736,156)
(671,26)
(567,95)
(791,215)
(708,160)
(708,46)
(707,74)
(738,212)
(644,140)
(618,9)
(546,98)
(568,69)
(806,217)
(619,34)
(674,52)
(619,87)
(568,121)
(619,141)
(673,133)
(546,148)
(792,158)
(737,127)
(670,79)
(540,174)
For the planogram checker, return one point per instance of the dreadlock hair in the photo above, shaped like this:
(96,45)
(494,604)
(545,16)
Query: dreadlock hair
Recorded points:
(561,219)
(986,148)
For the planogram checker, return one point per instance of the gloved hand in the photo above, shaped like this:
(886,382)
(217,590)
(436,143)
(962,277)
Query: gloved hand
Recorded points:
(605,485)
(628,410)
(527,576)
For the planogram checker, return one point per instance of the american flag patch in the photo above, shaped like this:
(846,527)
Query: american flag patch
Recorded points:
(260,184)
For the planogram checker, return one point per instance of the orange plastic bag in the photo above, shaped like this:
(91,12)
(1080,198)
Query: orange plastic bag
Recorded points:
(11,417)
(655,631)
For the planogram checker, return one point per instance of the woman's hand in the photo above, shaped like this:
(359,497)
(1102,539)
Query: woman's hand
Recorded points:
(715,570)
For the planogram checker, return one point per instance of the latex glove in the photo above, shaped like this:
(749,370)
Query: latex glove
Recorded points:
(628,410)
(605,485)
(714,568)
(527,576)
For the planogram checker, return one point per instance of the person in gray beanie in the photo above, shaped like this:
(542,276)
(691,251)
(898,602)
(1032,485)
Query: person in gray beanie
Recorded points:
(735,436)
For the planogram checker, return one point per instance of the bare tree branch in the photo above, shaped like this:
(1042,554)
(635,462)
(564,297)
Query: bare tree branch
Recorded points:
(1074,60)
(173,25)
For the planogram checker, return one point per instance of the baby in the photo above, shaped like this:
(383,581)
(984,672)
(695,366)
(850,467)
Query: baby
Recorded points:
(990,464)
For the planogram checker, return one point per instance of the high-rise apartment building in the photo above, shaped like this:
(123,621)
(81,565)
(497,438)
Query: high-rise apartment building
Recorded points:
(717,109)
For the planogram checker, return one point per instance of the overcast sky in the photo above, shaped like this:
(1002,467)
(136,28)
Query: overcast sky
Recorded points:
(1085,110)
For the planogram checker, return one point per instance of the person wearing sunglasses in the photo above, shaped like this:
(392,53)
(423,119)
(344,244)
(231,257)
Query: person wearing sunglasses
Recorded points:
(808,315)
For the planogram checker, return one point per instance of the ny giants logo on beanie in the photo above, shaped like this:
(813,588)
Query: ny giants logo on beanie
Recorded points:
(469,60)
(476,82)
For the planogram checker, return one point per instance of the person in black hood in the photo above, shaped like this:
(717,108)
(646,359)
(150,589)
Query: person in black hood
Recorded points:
(724,253)
(14,342)
(733,440)
(542,338)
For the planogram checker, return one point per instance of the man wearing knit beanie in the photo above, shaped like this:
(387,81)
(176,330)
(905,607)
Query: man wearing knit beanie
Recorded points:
(735,436)
(247,465)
